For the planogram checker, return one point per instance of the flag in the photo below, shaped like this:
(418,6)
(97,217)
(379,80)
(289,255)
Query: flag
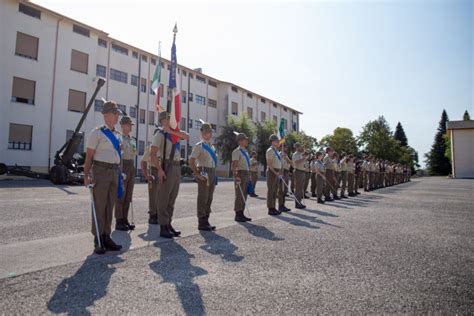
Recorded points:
(155,83)
(175,110)
(281,131)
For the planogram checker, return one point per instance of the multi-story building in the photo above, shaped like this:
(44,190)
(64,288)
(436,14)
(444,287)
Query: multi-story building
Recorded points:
(49,68)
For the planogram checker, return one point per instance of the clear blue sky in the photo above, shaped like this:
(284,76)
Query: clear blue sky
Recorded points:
(341,63)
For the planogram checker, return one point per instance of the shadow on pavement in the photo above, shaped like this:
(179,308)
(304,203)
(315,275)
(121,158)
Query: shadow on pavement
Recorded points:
(220,246)
(175,267)
(152,234)
(311,219)
(396,188)
(321,213)
(295,221)
(122,238)
(260,231)
(89,284)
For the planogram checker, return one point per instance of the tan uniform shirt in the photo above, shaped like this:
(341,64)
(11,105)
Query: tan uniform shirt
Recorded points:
(241,161)
(146,155)
(129,147)
(271,154)
(104,149)
(253,164)
(343,165)
(159,142)
(350,167)
(298,165)
(202,156)
(306,166)
(286,161)
(328,163)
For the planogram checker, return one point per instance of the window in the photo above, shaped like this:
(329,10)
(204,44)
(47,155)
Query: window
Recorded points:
(26,46)
(134,80)
(79,61)
(135,55)
(294,126)
(122,108)
(201,79)
(98,105)
(285,109)
(249,95)
(77,101)
(80,148)
(191,76)
(23,90)
(133,111)
(119,49)
(162,65)
(153,61)
(183,152)
(168,66)
(198,124)
(141,147)
(190,95)
(151,90)
(185,73)
(144,58)
(29,11)
(214,127)
(235,108)
(80,30)
(263,117)
(102,42)
(101,71)
(118,75)
(200,100)
(250,113)
(274,105)
(183,96)
(262,100)
(212,103)
(275,119)
(143,85)
(151,118)
(20,136)
(182,124)
(190,122)
(142,116)
(212,83)
(234,89)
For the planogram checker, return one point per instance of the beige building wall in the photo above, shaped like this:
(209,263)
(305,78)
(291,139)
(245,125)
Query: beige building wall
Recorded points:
(462,152)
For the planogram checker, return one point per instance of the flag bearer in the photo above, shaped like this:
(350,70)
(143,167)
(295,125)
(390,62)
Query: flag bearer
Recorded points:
(241,172)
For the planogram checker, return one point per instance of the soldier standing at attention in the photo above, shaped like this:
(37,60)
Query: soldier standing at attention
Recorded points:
(330,176)
(274,178)
(312,168)
(286,167)
(254,172)
(365,172)
(152,179)
(129,151)
(241,170)
(203,162)
(299,174)
(307,175)
(165,156)
(320,178)
(343,174)
(351,182)
(103,158)
(358,175)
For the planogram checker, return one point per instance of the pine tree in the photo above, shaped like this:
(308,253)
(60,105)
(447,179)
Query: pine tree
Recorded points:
(400,135)
(437,162)
(466,116)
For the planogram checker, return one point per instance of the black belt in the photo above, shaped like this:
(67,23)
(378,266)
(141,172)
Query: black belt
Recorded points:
(106,164)
(173,163)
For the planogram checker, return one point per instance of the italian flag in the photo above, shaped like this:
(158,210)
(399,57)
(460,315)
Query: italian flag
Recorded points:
(155,83)
(281,131)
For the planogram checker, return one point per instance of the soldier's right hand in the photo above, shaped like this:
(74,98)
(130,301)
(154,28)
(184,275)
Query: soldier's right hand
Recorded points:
(87,181)
(161,175)
(150,178)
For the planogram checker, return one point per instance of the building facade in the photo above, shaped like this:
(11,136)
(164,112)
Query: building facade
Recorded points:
(461,134)
(49,69)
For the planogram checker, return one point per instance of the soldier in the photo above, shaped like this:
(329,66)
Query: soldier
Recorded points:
(358,176)
(337,170)
(307,175)
(103,157)
(129,151)
(312,168)
(254,172)
(274,178)
(365,172)
(203,162)
(150,173)
(240,170)
(286,167)
(330,176)
(319,171)
(350,169)
(343,174)
(165,156)
(299,174)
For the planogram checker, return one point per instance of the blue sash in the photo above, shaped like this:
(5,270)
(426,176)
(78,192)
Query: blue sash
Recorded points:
(116,143)
(277,154)
(168,137)
(247,159)
(211,152)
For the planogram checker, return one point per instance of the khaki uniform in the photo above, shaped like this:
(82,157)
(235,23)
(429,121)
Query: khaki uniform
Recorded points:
(129,152)
(169,189)
(274,185)
(105,175)
(254,172)
(286,171)
(152,186)
(365,175)
(307,175)
(207,168)
(330,175)
(312,167)
(371,168)
(343,176)
(243,172)
(350,177)
(320,183)
(299,175)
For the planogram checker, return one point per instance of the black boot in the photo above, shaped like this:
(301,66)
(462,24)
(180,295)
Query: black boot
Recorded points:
(239,217)
(313,194)
(153,220)
(300,206)
(273,212)
(207,221)
(110,244)
(203,225)
(175,232)
(120,224)
(165,232)
(328,198)
(352,194)
(321,201)
(343,196)
(284,209)
(335,197)
(130,226)
(99,250)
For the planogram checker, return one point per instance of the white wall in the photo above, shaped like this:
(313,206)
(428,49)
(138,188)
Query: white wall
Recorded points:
(462,143)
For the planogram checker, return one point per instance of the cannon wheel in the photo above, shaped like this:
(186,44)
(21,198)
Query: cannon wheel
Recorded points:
(58,174)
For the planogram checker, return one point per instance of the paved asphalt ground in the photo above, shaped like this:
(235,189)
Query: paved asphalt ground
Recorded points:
(404,249)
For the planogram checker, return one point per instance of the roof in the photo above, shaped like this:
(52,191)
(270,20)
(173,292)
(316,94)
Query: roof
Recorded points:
(460,124)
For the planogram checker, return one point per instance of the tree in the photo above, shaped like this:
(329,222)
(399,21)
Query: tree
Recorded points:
(342,140)
(376,138)
(308,142)
(227,141)
(400,135)
(466,116)
(264,130)
(436,160)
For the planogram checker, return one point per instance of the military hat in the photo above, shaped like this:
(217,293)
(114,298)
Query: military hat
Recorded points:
(241,136)
(163,115)
(298,145)
(126,120)
(273,137)
(110,107)
(206,127)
